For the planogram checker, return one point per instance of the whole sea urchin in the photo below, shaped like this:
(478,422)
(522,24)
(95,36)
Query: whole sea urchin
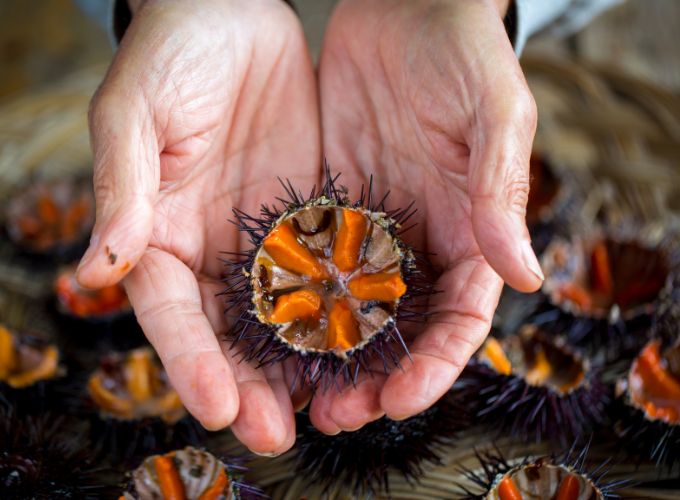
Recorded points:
(360,460)
(40,460)
(327,280)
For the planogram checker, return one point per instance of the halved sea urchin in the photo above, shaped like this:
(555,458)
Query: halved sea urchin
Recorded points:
(648,404)
(327,280)
(189,474)
(135,408)
(601,290)
(28,366)
(534,387)
(548,477)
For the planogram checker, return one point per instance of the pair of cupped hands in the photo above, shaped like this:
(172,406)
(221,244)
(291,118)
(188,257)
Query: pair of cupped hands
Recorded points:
(207,102)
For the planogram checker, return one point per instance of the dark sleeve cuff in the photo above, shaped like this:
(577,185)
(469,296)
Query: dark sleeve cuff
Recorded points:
(122,17)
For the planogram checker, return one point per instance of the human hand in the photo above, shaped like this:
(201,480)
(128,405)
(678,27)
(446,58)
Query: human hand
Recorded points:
(430,98)
(205,103)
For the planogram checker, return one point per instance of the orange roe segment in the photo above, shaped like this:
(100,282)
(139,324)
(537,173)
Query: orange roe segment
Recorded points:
(46,369)
(576,294)
(343,329)
(290,254)
(508,490)
(169,481)
(494,353)
(348,240)
(296,305)
(569,489)
(384,287)
(48,210)
(138,373)
(107,400)
(601,275)
(540,371)
(7,353)
(217,488)
(658,383)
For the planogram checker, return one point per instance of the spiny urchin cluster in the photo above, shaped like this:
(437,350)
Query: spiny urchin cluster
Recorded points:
(328,281)
(39,459)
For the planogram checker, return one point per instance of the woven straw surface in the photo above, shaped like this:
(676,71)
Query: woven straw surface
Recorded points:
(614,138)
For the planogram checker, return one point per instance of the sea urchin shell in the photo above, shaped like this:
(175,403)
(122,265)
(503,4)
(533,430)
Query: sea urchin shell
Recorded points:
(557,478)
(188,473)
(327,280)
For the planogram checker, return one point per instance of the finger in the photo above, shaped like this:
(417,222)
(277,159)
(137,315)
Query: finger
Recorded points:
(499,185)
(167,302)
(320,413)
(462,318)
(126,181)
(265,421)
(358,405)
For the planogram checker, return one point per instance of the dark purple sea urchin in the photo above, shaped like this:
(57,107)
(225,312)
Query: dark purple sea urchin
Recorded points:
(534,387)
(327,281)
(40,458)
(361,460)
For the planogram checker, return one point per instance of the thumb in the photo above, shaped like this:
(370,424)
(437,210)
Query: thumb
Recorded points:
(499,185)
(126,181)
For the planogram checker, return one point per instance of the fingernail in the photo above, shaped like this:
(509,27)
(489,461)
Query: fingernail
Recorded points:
(89,254)
(268,455)
(531,261)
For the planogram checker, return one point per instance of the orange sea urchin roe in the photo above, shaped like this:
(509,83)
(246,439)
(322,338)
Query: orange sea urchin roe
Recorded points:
(329,276)
(652,387)
(85,303)
(23,364)
(596,276)
(186,474)
(49,214)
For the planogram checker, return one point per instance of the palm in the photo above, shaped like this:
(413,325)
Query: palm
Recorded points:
(395,107)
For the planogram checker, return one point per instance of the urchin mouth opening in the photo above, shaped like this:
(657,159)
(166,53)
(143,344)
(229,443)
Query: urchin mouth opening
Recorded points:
(602,277)
(542,479)
(537,359)
(654,382)
(327,278)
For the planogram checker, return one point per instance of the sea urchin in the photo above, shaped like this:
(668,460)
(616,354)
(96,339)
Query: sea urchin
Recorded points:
(327,280)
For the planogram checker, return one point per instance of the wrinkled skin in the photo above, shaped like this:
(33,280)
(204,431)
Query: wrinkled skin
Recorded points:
(205,104)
